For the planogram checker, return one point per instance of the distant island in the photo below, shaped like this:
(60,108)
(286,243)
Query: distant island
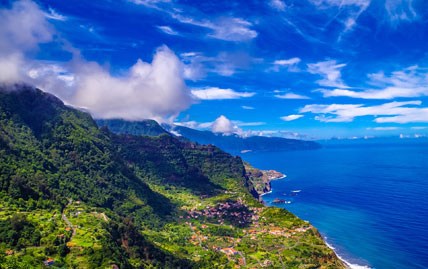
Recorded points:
(74,195)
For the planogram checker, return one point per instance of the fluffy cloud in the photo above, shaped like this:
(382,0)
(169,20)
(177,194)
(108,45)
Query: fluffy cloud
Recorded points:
(223,125)
(291,117)
(10,67)
(215,93)
(147,90)
(393,112)
(410,82)
(22,28)
(330,71)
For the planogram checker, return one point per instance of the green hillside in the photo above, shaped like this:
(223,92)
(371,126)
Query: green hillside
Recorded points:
(76,196)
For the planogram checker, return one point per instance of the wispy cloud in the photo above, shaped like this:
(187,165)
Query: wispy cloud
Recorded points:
(291,95)
(167,30)
(247,107)
(226,28)
(223,28)
(400,10)
(277,4)
(330,71)
(251,123)
(289,64)
(215,93)
(54,15)
(345,11)
(291,117)
(393,112)
(226,64)
(389,128)
(410,82)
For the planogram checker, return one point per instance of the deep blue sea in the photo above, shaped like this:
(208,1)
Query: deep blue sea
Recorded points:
(370,202)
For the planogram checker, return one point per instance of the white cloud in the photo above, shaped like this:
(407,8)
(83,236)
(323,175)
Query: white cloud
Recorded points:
(54,15)
(253,123)
(414,115)
(194,124)
(233,29)
(223,125)
(286,62)
(291,117)
(400,10)
(389,128)
(289,64)
(340,3)
(410,82)
(393,112)
(345,11)
(155,90)
(215,93)
(277,4)
(147,90)
(22,28)
(225,64)
(419,127)
(291,95)
(168,30)
(10,67)
(225,28)
(247,107)
(330,71)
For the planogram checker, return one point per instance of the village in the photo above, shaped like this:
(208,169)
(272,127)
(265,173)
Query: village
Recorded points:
(234,213)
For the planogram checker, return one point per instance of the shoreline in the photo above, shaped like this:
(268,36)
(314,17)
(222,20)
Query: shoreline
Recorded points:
(348,264)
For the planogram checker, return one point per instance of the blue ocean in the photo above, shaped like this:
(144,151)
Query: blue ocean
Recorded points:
(369,201)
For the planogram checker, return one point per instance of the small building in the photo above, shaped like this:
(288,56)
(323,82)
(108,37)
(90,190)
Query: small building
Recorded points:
(229,251)
(49,262)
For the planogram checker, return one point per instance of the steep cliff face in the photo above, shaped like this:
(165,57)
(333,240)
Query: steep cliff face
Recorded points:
(74,195)
(259,181)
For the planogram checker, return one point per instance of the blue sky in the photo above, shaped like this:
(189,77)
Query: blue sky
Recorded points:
(303,68)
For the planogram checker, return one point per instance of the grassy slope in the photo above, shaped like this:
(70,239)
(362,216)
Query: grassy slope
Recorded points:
(132,201)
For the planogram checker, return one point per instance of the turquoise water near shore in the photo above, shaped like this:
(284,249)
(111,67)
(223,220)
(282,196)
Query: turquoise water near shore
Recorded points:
(370,202)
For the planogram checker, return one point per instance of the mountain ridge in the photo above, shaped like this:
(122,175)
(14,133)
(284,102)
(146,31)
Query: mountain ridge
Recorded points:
(231,143)
(130,201)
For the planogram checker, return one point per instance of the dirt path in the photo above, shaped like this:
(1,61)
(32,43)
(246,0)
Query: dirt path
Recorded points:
(67,221)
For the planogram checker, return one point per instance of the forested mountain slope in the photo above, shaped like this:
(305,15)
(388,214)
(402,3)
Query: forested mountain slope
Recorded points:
(74,195)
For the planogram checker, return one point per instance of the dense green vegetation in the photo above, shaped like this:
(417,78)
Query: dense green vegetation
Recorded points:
(145,127)
(73,195)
